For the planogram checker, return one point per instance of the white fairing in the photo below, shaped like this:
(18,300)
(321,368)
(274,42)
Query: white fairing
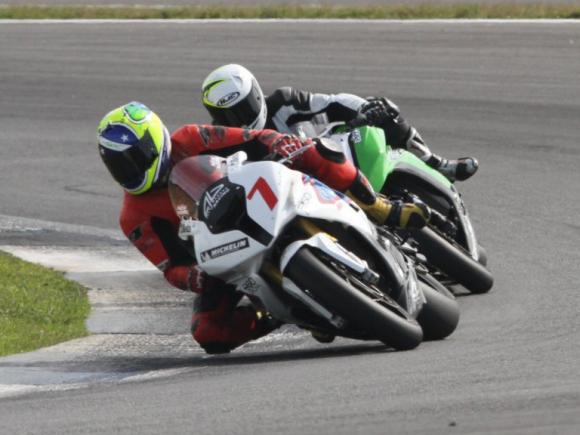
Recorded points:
(324,243)
(342,140)
(230,255)
(275,195)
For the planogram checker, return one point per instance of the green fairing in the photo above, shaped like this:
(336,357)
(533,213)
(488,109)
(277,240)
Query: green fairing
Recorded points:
(370,148)
(377,160)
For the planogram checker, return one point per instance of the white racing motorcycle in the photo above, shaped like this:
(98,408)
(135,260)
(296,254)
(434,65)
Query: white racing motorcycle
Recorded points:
(307,254)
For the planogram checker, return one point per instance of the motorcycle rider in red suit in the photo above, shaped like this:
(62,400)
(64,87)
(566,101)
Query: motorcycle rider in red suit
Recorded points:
(139,153)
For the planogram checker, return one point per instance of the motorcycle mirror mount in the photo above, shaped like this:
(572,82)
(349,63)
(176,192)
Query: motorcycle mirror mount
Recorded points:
(236,160)
(188,228)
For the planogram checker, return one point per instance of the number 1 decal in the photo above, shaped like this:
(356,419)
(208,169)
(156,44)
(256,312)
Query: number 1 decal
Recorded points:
(265,191)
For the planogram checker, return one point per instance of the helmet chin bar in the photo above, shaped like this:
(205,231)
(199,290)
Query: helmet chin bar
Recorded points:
(260,121)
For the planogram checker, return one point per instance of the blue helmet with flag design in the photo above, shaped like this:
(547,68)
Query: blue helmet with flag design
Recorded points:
(135,146)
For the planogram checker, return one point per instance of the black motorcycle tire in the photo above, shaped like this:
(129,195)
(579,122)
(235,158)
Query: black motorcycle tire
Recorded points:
(453,261)
(439,316)
(307,271)
(482,254)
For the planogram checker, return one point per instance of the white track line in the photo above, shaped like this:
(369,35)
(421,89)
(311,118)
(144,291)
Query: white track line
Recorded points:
(21,224)
(13,390)
(293,20)
(82,259)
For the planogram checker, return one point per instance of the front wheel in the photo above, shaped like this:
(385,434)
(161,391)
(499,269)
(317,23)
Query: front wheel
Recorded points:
(322,280)
(453,261)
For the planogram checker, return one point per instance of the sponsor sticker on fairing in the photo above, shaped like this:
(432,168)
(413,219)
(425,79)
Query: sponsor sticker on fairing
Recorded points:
(225,249)
(213,198)
(250,285)
(356,137)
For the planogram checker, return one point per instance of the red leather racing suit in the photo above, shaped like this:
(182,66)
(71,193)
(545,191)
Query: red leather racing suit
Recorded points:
(150,223)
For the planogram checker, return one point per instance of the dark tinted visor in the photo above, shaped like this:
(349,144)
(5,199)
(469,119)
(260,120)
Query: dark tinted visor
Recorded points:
(128,167)
(242,114)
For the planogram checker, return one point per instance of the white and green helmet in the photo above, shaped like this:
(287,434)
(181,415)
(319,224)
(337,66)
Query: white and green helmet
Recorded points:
(135,146)
(233,97)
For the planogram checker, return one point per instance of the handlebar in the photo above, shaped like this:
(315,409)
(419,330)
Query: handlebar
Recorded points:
(359,121)
(275,157)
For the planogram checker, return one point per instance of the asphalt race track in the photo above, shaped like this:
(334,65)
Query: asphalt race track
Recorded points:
(506,93)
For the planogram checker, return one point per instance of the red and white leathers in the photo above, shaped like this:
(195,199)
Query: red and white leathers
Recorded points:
(149,221)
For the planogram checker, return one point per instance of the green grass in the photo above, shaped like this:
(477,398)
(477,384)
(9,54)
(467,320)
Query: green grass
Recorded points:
(38,306)
(424,11)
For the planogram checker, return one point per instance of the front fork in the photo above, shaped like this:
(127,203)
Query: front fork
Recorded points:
(327,244)
(438,220)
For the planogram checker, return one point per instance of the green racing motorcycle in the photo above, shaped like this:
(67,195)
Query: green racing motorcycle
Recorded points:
(448,244)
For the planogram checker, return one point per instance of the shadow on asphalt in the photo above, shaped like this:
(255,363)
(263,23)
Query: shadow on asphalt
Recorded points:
(133,365)
(292,355)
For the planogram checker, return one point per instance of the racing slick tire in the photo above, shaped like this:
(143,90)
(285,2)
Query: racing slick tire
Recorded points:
(439,316)
(396,329)
(454,261)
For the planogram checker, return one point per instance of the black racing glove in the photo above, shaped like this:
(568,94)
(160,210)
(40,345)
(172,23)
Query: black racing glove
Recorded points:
(377,111)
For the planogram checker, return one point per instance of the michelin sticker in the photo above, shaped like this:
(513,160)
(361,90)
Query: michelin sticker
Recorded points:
(228,248)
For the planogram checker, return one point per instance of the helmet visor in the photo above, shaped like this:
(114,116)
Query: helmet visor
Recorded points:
(128,167)
(241,114)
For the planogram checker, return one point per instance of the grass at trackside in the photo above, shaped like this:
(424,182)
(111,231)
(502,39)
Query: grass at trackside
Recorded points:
(424,11)
(38,306)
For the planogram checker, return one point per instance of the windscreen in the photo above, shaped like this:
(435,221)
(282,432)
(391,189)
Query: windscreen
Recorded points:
(190,178)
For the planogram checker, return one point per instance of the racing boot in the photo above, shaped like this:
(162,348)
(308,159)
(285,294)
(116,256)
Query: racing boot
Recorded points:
(245,325)
(455,170)
(221,321)
(265,324)
(460,169)
(322,337)
(385,212)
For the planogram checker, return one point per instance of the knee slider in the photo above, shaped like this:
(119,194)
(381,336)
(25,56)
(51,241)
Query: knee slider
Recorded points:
(217,348)
(207,340)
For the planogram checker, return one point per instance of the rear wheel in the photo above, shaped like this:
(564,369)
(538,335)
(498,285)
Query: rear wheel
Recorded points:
(440,314)
(482,254)
(379,317)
